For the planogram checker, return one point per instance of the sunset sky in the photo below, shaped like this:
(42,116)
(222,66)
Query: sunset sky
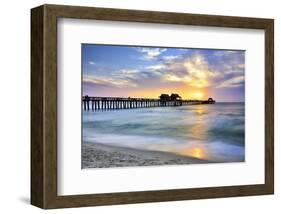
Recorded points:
(129,71)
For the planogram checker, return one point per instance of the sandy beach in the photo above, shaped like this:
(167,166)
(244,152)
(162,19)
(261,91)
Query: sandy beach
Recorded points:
(95,155)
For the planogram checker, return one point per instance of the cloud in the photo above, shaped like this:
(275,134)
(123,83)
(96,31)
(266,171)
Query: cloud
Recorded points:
(129,71)
(108,81)
(192,70)
(229,62)
(92,63)
(220,53)
(151,53)
(223,69)
(131,74)
(234,68)
(170,58)
(175,78)
(232,83)
(156,67)
(197,69)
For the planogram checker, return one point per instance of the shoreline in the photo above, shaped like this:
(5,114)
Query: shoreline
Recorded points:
(97,155)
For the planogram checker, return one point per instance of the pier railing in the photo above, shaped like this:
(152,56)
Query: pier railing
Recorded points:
(114,103)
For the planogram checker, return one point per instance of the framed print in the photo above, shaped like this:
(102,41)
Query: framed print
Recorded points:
(139,106)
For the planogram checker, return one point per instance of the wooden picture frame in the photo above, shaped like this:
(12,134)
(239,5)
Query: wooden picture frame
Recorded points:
(44,106)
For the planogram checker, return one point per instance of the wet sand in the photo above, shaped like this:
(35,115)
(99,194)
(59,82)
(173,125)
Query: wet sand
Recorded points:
(96,155)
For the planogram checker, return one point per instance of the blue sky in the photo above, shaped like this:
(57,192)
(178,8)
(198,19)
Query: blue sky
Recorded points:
(130,71)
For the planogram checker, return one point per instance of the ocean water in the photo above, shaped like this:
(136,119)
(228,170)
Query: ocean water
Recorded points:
(210,132)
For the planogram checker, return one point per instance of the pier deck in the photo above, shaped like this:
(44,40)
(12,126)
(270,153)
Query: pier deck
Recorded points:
(114,103)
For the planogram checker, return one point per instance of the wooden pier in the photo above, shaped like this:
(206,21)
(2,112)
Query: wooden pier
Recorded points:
(114,103)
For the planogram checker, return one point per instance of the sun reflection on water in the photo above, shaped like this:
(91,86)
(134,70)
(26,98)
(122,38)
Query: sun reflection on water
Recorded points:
(196,152)
(199,127)
(199,132)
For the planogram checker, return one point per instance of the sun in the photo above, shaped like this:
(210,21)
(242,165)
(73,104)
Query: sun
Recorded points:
(197,95)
